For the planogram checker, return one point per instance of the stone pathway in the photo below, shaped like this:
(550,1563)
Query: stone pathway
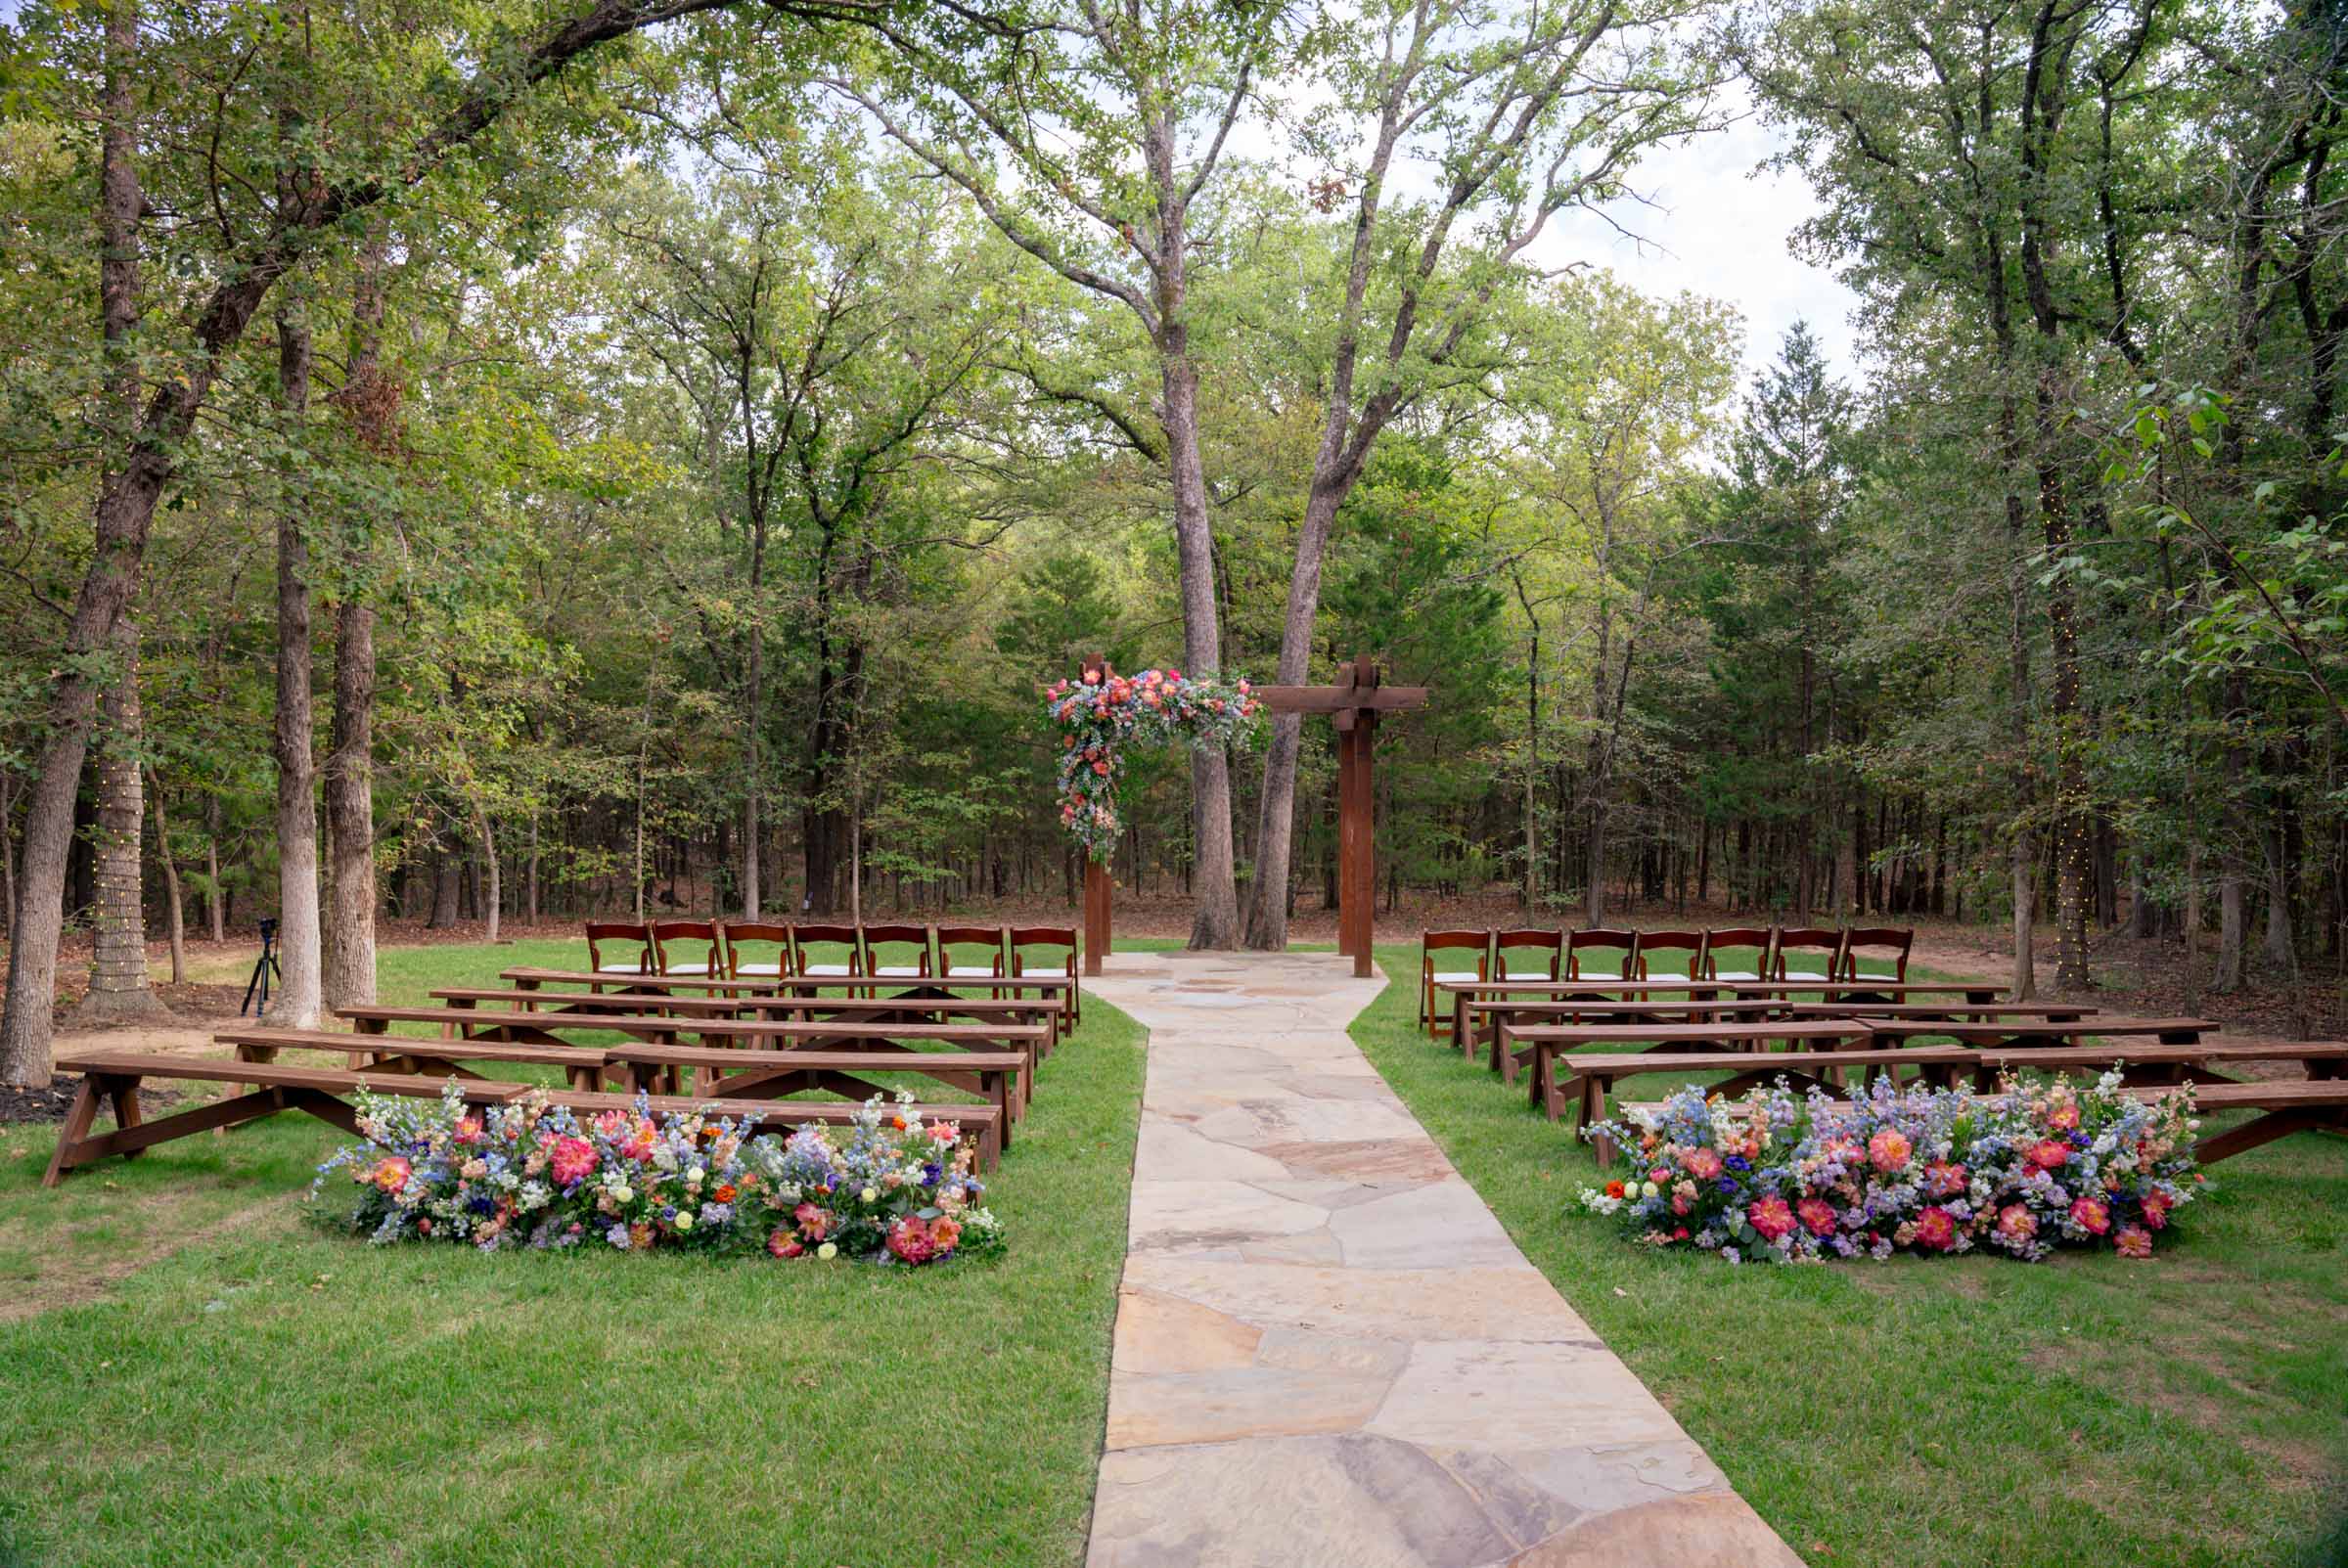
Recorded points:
(1328,1352)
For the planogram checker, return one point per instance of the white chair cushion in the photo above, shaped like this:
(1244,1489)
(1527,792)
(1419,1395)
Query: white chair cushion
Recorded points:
(1526,974)
(1661,977)
(758,969)
(615,969)
(1454,975)
(962,971)
(825,969)
(1598,974)
(899,972)
(1734,974)
(1803,974)
(1045,974)
(691,966)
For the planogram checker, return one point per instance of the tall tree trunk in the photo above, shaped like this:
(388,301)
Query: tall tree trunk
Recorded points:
(1215,916)
(349,772)
(449,874)
(215,897)
(297,1006)
(171,888)
(118,986)
(493,896)
(125,511)
(2231,860)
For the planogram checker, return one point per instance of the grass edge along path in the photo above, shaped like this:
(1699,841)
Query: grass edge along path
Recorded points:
(2186,1413)
(271,1393)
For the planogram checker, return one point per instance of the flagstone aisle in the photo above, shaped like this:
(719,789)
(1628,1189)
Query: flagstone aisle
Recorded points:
(1329,1351)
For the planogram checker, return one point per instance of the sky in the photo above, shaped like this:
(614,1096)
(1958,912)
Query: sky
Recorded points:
(1721,226)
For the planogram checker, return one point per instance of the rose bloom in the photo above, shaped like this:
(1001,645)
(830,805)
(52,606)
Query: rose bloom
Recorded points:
(1771,1217)
(2050,1155)
(1702,1163)
(782,1244)
(813,1222)
(2156,1210)
(1944,1180)
(392,1174)
(2064,1118)
(1818,1215)
(1890,1151)
(609,1124)
(2017,1222)
(468,1130)
(572,1160)
(945,1233)
(945,1132)
(1936,1228)
(724,1193)
(909,1239)
(2133,1241)
(2090,1216)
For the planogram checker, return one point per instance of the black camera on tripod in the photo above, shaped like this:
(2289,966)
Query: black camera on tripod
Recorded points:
(263,967)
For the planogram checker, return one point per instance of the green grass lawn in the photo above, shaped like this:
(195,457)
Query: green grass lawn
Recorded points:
(213,1381)
(2189,1413)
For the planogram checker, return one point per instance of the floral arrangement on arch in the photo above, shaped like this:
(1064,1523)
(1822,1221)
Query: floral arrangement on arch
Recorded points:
(1103,713)
(889,1186)
(2023,1171)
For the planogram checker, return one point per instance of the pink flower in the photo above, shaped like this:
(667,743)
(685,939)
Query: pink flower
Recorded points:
(610,1124)
(1936,1228)
(468,1130)
(813,1222)
(2156,1210)
(1702,1163)
(2050,1155)
(1943,1180)
(1890,1151)
(1818,1215)
(1091,677)
(572,1160)
(910,1240)
(2017,1223)
(1660,1175)
(2133,1241)
(392,1174)
(782,1244)
(1100,768)
(1771,1217)
(2064,1119)
(945,1233)
(2090,1216)
(945,1132)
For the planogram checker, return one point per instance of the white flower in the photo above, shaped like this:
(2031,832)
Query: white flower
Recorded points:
(621,1192)
(692,1178)
(1647,1189)
(684,1220)
(828,1251)
(868,1195)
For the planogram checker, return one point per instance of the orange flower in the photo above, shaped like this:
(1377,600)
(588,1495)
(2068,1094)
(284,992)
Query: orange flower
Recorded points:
(724,1192)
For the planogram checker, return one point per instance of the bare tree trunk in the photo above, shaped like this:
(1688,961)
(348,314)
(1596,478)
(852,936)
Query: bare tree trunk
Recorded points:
(493,898)
(448,870)
(125,511)
(530,881)
(2279,948)
(2231,920)
(297,1006)
(216,898)
(1215,919)
(171,890)
(349,959)
(118,986)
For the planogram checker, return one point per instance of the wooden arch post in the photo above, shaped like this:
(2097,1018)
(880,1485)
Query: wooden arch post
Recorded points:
(1353,707)
(1096,874)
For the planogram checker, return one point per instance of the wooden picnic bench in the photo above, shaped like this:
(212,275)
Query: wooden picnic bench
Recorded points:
(1530,1044)
(997,1076)
(1970,1011)
(114,1077)
(545,1028)
(2037,1031)
(533,978)
(1477,1020)
(582,1064)
(1048,1010)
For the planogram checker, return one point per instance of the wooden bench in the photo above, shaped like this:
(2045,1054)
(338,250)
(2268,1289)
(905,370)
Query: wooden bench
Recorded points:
(1969,1011)
(2311,1105)
(532,977)
(728,1074)
(1479,1019)
(544,1028)
(982,1123)
(1531,1045)
(1049,1011)
(115,1076)
(582,1064)
(2046,1031)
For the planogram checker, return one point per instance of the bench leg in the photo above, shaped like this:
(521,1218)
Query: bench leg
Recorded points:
(79,1118)
(2266,1129)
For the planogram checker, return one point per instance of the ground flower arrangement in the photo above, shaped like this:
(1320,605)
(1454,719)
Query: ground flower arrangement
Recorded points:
(2023,1171)
(890,1188)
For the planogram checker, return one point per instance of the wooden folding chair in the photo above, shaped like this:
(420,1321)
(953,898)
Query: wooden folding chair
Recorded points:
(628,933)
(1889,941)
(695,944)
(1019,938)
(1600,939)
(743,961)
(1435,1022)
(1807,946)
(919,965)
(1724,938)
(1656,946)
(952,966)
(807,963)
(1543,954)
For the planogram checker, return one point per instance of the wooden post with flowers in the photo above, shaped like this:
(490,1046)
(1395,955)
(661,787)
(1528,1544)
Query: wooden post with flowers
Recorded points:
(1099,715)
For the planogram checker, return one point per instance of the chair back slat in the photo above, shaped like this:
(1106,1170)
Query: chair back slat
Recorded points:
(684,947)
(1722,938)
(916,937)
(843,936)
(1823,940)
(742,937)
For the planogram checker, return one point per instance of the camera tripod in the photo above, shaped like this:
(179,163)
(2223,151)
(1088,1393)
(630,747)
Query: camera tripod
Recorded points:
(263,967)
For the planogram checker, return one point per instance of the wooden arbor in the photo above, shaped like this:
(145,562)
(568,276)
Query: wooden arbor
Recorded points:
(1354,706)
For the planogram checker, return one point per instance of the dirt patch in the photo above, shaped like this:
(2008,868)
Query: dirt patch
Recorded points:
(49,1104)
(65,1279)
